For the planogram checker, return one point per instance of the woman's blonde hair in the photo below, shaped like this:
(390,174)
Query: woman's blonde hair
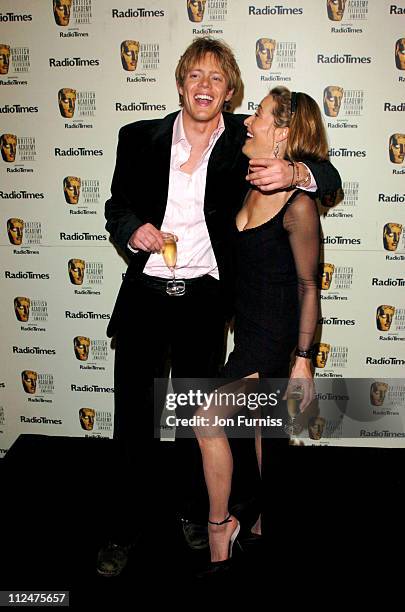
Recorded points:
(300,113)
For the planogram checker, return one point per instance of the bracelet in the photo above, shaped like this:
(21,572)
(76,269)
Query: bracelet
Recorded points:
(293,174)
(304,182)
(306,354)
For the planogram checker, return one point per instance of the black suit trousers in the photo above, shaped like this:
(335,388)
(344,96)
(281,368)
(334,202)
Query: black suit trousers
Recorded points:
(186,333)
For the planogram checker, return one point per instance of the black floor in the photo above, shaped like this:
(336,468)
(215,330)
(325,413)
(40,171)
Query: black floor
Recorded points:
(331,511)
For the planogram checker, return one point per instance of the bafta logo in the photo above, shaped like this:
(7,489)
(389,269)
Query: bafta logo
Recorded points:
(332,99)
(22,308)
(384,316)
(29,381)
(336,9)
(67,102)
(86,417)
(316,425)
(195,10)
(397,148)
(61,11)
(265,48)
(400,54)
(71,189)
(129,54)
(377,393)
(321,353)
(76,269)
(326,271)
(4,58)
(8,147)
(15,230)
(391,236)
(81,345)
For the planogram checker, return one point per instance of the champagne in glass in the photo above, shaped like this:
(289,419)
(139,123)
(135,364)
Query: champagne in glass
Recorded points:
(169,252)
(294,398)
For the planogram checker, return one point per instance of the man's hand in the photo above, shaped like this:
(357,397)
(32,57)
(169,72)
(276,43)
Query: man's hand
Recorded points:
(147,238)
(270,174)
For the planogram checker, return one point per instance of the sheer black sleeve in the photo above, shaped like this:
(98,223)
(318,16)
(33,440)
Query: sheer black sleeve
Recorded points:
(301,221)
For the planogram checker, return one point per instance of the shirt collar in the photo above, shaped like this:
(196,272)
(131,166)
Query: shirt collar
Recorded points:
(179,134)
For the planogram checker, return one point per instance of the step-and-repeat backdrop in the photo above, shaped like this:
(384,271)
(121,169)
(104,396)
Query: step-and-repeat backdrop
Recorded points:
(73,71)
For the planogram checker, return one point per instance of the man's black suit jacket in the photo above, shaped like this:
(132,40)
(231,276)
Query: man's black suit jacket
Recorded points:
(140,187)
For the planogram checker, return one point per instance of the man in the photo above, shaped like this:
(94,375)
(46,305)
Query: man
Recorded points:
(183,174)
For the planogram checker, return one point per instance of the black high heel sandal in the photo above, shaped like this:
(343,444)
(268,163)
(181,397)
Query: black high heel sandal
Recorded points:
(217,568)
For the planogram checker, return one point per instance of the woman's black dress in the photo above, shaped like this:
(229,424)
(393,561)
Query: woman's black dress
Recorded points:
(276,290)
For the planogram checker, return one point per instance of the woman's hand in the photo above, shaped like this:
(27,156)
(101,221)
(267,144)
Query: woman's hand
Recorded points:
(301,382)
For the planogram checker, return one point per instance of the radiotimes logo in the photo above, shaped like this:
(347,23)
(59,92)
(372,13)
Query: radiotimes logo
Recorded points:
(387,282)
(32,350)
(27,275)
(390,318)
(81,237)
(11,17)
(207,11)
(77,152)
(73,62)
(345,58)
(81,103)
(89,314)
(274,10)
(75,13)
(140,58)
(37,385)
(138,13)
(31,312)
(86,275)
(340,241)
(14,62)
(81,194)
(138,107)
(92,351)
(345,14)
(396,198)
(26,233)
(11,109)
(344,152)
(275,56)
(95,421)
(328,358)
(346,103)
(17,149)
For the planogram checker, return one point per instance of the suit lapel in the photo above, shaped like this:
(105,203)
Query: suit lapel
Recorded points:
(159,161)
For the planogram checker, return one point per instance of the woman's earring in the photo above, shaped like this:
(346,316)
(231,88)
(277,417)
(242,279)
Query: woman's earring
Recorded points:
(276,149)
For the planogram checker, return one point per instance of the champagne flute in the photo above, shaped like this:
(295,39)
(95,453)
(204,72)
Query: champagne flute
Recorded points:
(169,252)
(294,398)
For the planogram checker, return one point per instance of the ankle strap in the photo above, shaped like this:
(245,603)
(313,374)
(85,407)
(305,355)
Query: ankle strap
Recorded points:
(227,519)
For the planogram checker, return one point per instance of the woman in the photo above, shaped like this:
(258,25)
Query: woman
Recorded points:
(277,303)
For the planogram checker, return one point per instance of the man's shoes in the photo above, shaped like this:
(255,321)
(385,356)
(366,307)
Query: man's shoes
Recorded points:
(195,535)
(112,559)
